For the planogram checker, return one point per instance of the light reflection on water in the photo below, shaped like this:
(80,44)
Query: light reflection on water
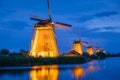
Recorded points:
(80,72)
(94,70)
(49,72)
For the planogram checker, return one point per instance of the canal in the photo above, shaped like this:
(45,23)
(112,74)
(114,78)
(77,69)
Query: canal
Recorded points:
(107,69)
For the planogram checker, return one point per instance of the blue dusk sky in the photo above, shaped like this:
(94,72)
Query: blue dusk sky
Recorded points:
(97,20)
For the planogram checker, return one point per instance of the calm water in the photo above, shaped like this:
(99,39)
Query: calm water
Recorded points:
(108,69)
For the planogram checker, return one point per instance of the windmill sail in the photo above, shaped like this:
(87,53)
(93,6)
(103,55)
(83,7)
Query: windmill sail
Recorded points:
(49,11)
(62,26)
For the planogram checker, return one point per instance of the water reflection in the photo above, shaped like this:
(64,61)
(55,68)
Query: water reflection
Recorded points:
(94,70)
(80,72)
(49,72)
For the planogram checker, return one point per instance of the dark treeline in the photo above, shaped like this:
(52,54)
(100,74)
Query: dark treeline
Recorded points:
(6,52)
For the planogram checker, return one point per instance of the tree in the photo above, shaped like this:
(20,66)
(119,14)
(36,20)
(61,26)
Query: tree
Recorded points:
(4,51)
(23,52)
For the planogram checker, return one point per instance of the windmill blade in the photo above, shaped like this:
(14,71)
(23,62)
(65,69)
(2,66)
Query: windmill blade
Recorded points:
(32,18)
(49,11)
(62,26)
(37,18)
(83,42)
(79,34)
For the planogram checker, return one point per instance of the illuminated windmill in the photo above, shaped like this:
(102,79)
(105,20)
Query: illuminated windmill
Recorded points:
(77,45)
(44,42)
(90,49)
(103,51)
(97,49)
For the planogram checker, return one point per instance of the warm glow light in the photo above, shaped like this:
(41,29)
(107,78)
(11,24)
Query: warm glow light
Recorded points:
(103,51)
(44,42)
(77,46)
(78,72)
(93,67)
(44,72)
(43,54)
(90,50)
(97,50)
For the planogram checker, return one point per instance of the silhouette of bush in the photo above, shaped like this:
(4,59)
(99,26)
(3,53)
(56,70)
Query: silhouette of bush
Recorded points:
(4,51)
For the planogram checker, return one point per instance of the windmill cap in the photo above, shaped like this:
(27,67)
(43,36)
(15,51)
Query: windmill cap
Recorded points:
(76,41)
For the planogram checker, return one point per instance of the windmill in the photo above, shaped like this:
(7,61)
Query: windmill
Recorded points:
(77,44)
(44,42)
(104,51)
(90,49)
(93,49)
(97,49)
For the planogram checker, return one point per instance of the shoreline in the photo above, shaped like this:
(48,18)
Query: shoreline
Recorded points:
(20,60)
(8,61)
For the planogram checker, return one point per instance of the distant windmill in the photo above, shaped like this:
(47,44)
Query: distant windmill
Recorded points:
(77,45)
(90,49)
(44,40)
(104,51)
(97,49)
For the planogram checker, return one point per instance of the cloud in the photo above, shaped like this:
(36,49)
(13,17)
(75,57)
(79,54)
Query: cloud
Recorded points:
(103,23)
(112,27)
(106,14)
(115,29)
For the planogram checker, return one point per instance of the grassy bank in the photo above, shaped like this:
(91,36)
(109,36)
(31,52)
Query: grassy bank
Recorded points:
(24,60)
(30,61)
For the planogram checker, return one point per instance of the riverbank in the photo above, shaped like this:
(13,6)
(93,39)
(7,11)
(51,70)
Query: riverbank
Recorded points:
(20,60)
(30,61)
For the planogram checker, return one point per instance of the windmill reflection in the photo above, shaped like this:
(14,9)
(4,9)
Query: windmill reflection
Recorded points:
(49,72)
(80,72)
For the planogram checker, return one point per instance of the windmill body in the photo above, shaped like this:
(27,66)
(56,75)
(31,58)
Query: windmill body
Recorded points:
(103,51)
(90,50)
(77,46)
(44,41)
(97,50)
